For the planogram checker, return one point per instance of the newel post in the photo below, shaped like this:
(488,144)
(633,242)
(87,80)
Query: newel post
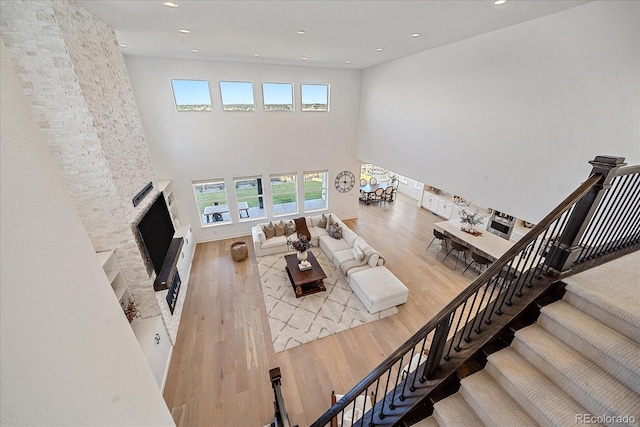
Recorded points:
(567,249)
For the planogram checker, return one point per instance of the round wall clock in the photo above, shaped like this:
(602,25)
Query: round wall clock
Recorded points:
(345,181)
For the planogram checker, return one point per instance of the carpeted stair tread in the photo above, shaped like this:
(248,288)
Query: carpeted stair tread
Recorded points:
(544,401)
(613,352)
(613,302)
(491,403)
(427,422)
(455,411)
(592,387)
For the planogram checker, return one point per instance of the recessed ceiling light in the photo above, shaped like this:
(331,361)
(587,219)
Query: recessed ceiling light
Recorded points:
(499,2)
(170,4)
(415,35)
(300,31)
(194,50)
(304,58)
(348,61)
(256,54)
(123,45)
(379,49)
(184,31)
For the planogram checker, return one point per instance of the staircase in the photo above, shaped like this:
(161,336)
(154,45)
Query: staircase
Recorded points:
(578,364)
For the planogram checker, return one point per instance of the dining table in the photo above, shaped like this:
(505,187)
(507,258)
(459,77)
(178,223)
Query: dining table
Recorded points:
(369,190)
(485,243)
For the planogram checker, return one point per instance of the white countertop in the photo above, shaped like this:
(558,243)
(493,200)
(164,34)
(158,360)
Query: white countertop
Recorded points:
(487,243)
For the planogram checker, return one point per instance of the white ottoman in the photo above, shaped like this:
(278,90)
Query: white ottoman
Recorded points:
(378,288)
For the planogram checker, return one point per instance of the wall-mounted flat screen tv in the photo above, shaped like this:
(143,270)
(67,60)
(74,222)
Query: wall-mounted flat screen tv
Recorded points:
(156,231)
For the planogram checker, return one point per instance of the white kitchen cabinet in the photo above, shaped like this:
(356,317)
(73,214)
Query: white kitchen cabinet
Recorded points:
(444,208)
(517,234)
(430,202)
(154,342)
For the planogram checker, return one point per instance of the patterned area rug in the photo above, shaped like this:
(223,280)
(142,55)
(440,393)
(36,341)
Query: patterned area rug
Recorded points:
(295,321)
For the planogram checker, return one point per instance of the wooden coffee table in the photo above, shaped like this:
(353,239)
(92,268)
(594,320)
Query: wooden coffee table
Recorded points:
(305,282)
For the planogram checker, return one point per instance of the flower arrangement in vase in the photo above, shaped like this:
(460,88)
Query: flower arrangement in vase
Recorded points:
(301,244)
(470,220)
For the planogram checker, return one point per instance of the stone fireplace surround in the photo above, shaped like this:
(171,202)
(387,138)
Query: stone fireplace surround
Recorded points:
(75,79)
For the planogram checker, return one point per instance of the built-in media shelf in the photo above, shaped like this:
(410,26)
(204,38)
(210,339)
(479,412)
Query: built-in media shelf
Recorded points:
(111,267)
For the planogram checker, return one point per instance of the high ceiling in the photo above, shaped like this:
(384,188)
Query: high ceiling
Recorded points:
(335,31)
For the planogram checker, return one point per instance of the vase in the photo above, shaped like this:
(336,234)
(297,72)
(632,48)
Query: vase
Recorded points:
(302,256)
(465,226)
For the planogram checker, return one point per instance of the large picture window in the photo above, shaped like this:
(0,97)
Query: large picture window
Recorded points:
(191,95)
(277,96)
(237,96)
(213,204)
(315,191)
(284,193)
(249,194)
(314,97)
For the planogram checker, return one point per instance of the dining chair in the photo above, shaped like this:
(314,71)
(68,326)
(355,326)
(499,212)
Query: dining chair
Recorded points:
(442,238)
(388,194)
(478,259)
(373,180)
(378,196)
(459,248)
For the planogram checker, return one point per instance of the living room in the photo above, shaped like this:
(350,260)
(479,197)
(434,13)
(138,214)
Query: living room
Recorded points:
(579,99)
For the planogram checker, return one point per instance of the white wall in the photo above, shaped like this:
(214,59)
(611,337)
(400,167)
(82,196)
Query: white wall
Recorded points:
(204,145)
(525,106)
(75,80)
(68,355)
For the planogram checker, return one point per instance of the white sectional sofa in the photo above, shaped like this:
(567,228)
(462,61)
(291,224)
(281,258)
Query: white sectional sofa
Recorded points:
(363,266)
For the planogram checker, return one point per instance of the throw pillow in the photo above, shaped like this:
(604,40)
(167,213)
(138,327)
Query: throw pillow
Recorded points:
(358,255)
(279,229)
(301,227)
(335,232)
(330,222)
(323,222)
(269,230)
(289,228)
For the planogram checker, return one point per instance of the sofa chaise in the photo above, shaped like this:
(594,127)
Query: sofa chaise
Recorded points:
(376,287)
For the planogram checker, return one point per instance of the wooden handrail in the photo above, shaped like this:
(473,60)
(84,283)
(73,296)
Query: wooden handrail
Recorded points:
(446,312)
(556,239)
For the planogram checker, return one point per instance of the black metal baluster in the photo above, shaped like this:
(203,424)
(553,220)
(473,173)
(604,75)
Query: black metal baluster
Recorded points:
(478,328)
(384,397)
(455,331)
(606,224)
(402,397)
(473,303)
(624,213)
(496,282)
(392,405)
(375,399)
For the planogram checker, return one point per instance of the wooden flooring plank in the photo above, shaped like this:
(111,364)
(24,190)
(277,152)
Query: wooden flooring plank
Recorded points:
(219,370)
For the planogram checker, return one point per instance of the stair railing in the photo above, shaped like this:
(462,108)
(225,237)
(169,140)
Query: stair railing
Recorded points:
(550,248)
(281,417)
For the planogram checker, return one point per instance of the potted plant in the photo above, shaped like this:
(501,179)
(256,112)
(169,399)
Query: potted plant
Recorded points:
(301,244)
(469,220)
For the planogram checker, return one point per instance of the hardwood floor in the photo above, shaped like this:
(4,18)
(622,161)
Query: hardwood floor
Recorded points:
(219,369)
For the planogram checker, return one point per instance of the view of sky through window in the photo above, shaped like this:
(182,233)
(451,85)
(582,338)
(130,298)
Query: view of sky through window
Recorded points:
(237,96)
(277,96)
(191,95)
(315,97)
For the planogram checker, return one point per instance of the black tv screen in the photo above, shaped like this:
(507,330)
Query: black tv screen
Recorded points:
(156,231)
